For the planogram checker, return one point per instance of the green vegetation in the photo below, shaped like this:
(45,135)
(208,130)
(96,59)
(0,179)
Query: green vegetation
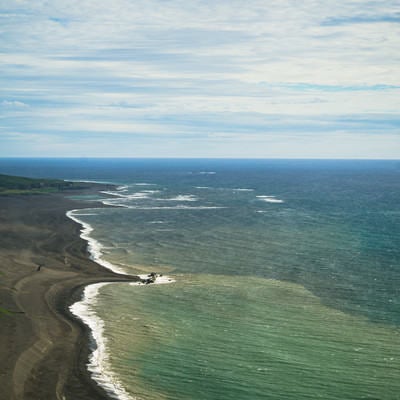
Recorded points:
(4,311)
(10,185)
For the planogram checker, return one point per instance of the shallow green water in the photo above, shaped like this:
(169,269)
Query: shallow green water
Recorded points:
(220,337)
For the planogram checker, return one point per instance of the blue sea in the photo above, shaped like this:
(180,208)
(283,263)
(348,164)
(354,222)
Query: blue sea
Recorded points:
(282,276)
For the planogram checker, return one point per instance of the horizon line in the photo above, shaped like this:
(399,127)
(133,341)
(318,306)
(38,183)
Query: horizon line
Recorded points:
(197,158)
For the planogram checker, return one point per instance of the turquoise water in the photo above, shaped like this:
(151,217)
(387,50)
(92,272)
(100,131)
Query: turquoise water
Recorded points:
(287,276)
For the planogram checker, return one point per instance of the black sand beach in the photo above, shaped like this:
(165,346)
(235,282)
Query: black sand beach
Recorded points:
(44,267)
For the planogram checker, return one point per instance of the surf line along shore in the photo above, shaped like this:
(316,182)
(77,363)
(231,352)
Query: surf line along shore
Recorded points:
(45,266)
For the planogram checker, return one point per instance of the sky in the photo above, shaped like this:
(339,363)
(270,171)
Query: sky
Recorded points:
(200,78)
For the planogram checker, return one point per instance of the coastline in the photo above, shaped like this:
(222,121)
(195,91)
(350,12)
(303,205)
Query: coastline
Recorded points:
(98,363)
(45,349)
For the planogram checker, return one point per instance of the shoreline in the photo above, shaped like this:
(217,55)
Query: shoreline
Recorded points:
(44,348)
(98,363)
(93,246)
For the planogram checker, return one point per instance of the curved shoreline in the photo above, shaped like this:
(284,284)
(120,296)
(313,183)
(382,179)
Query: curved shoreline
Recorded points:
(98,364)
(93,246)
(44,349)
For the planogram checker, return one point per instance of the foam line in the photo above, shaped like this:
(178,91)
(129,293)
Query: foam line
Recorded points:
(99,364)
(180,207)
(94,246)
(181,197)
(270,199)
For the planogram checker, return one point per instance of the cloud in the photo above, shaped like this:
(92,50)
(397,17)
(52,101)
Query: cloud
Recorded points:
(205,71)
(13,104)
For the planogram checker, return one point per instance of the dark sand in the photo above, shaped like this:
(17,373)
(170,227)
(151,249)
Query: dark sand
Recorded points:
(43,349)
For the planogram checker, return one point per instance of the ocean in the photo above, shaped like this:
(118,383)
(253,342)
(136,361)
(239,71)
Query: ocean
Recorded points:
(281,276)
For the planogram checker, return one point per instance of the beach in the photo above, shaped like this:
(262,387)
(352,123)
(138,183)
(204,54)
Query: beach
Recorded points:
(45,266)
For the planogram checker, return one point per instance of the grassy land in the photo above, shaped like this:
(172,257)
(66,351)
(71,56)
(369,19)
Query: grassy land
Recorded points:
(10,185)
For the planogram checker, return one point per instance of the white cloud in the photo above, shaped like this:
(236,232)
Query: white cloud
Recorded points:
(178,67)
(13,104)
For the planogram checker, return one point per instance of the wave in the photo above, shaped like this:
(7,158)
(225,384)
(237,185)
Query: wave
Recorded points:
(94,246)
(113,204)
(112,193)
(90,181)
(273,200)
(143,194)
(182,197)
(270,199)
(179,207)
(202,173)
(120,198)
(222,188)
(117,192)
(99,364)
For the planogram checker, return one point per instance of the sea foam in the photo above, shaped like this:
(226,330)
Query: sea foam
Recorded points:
(144,194)
(112,193)
(89,181)
(270,199)
(120,199)
(94,246)
(99,364)
(182,197)
(178,207)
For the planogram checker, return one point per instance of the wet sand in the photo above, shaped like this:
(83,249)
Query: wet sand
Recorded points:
(43,348)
